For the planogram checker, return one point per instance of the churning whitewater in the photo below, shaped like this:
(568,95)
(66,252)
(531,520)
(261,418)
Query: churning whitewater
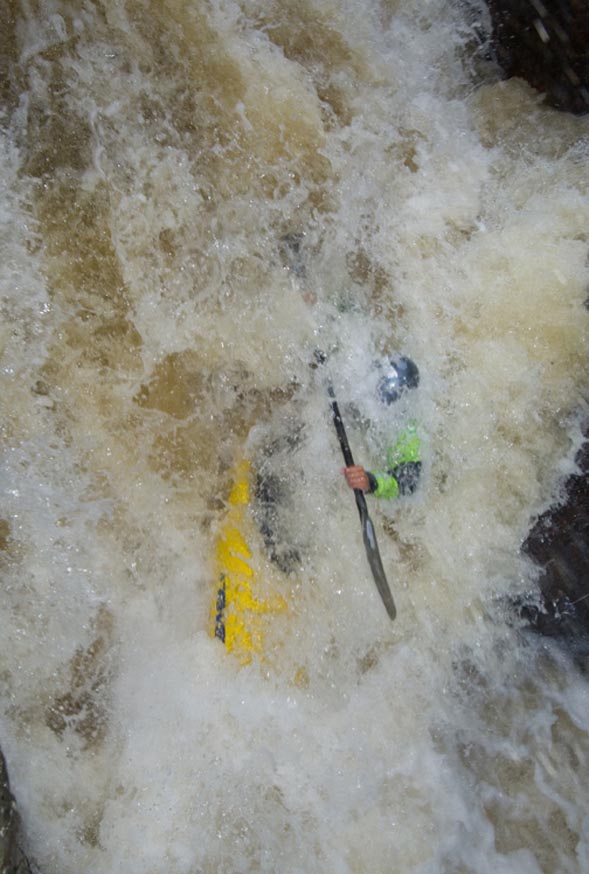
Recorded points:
(195,196)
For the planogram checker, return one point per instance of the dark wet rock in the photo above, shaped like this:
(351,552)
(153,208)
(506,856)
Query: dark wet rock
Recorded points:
(12,860)
(269,496)
(545,42)
(292,253)
(559,544)
(274,505)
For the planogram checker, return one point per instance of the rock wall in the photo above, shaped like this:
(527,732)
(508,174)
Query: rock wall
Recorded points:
(545,42)
(559,543)
(12,861)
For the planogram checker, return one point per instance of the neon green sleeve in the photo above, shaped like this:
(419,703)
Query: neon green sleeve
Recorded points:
(387,486)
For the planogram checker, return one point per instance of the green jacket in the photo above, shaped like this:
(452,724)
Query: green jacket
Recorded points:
(403,466)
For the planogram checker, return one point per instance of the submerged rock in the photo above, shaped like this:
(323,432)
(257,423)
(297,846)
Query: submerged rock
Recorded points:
(559,543)
(545,42)
(274,505)
(12,860)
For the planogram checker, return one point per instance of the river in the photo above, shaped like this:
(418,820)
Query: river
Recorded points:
(194,196)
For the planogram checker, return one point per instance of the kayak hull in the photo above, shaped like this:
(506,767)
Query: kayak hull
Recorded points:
(241,609)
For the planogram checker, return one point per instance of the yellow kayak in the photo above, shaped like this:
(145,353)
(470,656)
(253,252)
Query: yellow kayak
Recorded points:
(240,612)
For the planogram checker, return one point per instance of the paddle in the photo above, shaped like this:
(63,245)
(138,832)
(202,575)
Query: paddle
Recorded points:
(368,535)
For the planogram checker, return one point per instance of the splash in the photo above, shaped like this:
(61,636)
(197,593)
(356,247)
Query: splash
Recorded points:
(193,198)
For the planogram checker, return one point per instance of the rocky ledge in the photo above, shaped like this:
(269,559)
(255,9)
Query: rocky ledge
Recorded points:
(559,544)
(12,860)
(545,42)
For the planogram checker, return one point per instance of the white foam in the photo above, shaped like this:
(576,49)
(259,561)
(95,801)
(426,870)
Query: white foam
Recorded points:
(440,216)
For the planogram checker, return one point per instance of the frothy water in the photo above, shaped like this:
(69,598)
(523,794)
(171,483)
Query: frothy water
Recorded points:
(193,198)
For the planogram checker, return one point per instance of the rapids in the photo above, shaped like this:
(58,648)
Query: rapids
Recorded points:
(155,156)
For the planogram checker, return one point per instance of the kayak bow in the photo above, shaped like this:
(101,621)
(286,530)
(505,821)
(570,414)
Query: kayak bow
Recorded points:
(240,613)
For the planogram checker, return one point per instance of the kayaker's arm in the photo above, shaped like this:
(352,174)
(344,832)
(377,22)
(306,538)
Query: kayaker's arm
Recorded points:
(402,480)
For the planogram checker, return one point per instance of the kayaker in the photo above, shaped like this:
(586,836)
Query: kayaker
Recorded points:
(403,460)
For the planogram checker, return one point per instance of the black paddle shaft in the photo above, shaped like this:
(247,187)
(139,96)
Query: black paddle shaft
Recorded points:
(343,442)
(368,534)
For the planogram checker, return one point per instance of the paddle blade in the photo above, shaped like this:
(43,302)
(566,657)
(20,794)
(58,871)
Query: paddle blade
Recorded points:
(376,567)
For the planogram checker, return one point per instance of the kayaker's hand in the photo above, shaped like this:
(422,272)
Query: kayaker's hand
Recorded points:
(357,478)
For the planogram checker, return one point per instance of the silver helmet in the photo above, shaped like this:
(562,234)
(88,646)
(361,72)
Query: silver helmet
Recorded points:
(398,374)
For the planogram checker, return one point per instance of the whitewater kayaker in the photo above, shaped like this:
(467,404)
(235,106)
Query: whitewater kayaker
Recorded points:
(403,461)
